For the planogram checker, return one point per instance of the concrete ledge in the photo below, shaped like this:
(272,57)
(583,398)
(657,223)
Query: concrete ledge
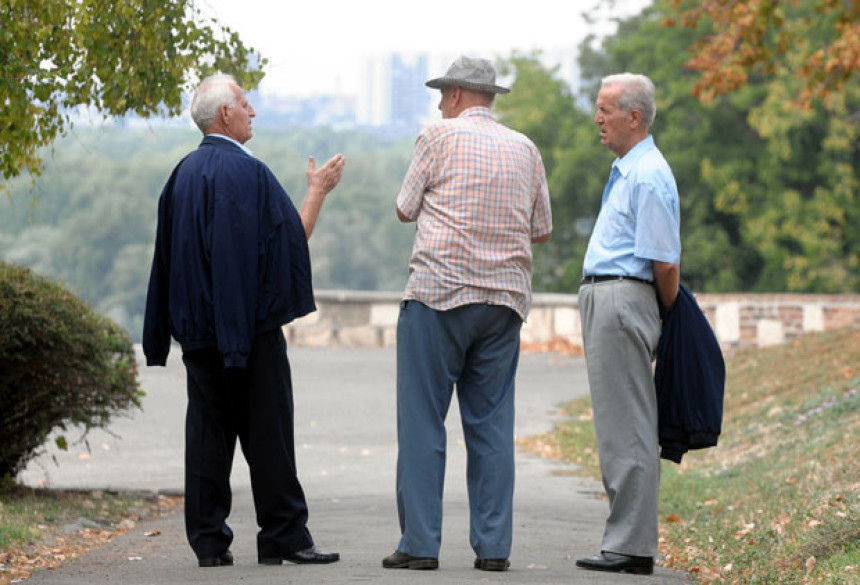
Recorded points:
(369,318)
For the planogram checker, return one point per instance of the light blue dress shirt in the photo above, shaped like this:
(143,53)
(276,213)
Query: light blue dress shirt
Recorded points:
(639,219)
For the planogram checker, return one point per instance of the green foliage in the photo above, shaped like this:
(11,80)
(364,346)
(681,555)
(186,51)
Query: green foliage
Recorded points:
(60,364)
(541,106)
(768,192)
(136,56)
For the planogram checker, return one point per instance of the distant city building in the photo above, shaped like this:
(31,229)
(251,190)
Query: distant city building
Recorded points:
(394,96)
(334,111)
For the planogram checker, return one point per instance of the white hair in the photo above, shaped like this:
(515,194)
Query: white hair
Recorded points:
(211,94)
(637,94)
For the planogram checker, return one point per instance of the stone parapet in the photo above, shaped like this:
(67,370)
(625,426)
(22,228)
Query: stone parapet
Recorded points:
(369,318)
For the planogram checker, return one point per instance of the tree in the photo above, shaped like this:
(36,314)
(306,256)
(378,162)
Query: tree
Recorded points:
(820,40)
(799,60)
(542,107)
(117,58)
(768,190)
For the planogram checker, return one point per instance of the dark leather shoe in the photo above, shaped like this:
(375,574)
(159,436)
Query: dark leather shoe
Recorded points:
(225,559)
(617,563)
(399,560)
(492,564)
(308,556)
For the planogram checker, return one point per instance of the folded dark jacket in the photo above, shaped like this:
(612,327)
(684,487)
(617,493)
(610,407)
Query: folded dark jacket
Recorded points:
(690,378)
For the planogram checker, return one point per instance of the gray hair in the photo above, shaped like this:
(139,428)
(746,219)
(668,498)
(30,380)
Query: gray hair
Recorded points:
(637,94)
(211,94)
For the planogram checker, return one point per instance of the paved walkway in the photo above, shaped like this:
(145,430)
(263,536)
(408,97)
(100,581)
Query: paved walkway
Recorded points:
(345,436)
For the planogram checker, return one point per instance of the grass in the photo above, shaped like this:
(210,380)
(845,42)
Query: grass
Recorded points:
(778,500)
(41,528)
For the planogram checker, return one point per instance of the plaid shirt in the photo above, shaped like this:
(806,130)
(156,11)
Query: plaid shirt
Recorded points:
(478,192)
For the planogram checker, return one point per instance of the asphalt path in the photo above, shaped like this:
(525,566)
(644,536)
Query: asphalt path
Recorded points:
(346,454)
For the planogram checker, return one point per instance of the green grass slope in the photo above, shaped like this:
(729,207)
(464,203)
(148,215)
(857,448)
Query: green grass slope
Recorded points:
(778,501)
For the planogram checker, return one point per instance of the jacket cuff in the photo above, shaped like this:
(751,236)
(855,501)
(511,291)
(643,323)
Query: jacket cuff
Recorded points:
(156,360)
(235,360)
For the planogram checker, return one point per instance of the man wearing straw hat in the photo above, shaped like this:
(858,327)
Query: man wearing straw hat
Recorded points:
(478,193)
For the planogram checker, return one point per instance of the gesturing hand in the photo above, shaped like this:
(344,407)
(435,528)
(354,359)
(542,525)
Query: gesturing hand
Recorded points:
(326,177)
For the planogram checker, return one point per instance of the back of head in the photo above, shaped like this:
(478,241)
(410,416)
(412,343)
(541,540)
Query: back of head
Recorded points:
(637,94)
(211,94)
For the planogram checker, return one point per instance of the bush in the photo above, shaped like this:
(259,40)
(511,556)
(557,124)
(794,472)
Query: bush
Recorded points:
(60,364)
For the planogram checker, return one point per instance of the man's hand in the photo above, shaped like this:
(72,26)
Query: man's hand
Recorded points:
(320,182)
(326,178)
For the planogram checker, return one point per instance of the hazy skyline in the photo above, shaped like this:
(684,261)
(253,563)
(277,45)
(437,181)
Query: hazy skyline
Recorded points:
(312,52)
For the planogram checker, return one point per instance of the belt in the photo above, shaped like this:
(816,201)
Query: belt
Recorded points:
(594,279)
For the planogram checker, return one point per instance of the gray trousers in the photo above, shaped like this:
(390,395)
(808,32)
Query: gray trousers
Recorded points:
(620,329)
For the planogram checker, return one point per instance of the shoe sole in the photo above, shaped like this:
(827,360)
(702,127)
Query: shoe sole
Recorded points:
(214,563)
(627,570)
(414,564)
(278,561)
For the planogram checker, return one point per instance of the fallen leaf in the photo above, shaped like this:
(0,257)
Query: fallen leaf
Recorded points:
(152,533)
(673,518)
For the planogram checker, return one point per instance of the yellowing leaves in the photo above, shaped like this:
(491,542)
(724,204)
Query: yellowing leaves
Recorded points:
(751,36)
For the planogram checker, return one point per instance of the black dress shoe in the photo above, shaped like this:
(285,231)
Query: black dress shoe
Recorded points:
(617,563)
(492,564)
(225,559)
(399,560)
(308,556)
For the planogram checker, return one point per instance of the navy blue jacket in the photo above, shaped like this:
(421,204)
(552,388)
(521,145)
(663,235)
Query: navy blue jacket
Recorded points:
(690,378)
(231,257)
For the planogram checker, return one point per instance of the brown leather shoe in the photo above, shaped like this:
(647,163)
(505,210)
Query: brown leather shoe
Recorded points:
(492,564)
(617,563)
(399,560)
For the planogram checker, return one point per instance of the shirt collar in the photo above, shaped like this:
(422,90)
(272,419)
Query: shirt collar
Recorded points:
(625,163)
(477,111)
(236,142)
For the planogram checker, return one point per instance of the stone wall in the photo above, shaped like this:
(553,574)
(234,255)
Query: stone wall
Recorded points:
(369,319)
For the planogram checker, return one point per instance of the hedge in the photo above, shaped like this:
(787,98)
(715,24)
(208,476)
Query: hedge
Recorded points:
(62,365)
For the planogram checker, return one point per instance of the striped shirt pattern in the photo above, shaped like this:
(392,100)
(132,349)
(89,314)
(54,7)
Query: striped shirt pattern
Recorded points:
(478,192)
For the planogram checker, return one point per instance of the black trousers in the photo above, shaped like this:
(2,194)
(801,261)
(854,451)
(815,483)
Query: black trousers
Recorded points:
(255,405)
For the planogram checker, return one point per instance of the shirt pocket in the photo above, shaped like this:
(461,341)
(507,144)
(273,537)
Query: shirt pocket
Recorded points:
(618,226)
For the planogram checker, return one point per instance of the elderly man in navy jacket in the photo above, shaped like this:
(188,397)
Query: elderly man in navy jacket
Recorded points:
(230,268)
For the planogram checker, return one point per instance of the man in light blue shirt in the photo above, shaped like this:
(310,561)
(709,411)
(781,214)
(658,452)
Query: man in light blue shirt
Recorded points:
(631,271)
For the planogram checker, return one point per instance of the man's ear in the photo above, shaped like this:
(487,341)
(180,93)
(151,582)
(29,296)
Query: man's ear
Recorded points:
(456,95)
(635,118)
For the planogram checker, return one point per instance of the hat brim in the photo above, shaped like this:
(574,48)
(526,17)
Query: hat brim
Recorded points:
(441,82)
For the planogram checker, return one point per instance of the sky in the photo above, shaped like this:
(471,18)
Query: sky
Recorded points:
(319,47)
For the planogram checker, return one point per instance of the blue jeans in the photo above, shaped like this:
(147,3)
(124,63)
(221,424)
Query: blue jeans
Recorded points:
(475,347)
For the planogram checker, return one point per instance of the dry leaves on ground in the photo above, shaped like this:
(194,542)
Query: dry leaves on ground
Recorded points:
(57,547)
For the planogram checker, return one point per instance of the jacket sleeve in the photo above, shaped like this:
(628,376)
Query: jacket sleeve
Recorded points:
(156,322)
(234,242)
